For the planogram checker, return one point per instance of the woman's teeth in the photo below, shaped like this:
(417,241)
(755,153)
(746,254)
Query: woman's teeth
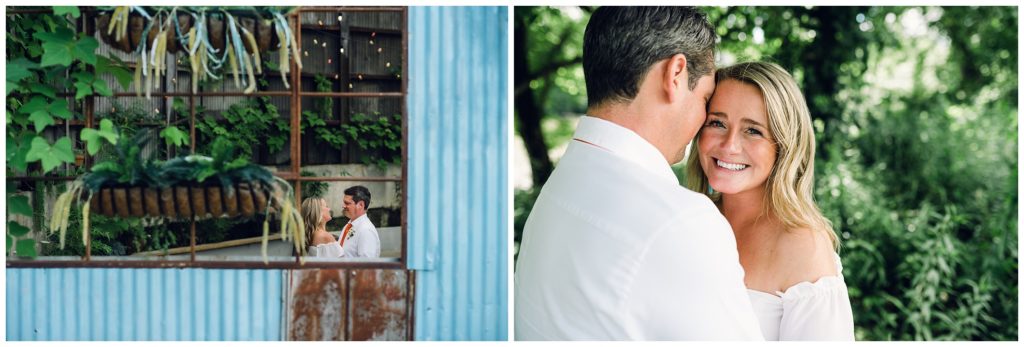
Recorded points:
(731,166)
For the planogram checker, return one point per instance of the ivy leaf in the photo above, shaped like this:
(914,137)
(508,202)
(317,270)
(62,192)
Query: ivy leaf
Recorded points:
(174,136)
(10,243)
(16,229)
(51,156)
(101,88)
(93,138)
(108,65)
(85,49)
(19,205)
(26,248)
(43,89)
(59,108)
(41,119)
(57,47)
(82,89)
(17,70)
(16,152)
(37,103)
(64,10)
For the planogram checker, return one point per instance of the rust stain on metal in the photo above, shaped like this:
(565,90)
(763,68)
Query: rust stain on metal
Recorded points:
(353,304)
(378,305)
(317,298)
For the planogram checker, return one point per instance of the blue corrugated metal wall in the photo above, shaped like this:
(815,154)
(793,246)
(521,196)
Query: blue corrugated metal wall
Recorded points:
(143,304)
(457,235)
(458,219)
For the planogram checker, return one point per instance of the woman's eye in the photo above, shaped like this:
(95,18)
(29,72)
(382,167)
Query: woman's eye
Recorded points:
(715,123)
(753,131)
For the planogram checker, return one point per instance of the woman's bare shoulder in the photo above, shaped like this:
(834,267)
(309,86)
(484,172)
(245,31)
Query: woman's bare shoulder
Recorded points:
(322,238)
(806,255)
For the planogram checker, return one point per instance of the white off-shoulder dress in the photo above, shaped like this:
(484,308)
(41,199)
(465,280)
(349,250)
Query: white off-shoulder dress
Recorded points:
(326,250)
(806,311)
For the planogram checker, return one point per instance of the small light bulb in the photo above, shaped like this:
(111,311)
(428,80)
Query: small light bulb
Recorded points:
(335,76)
(380,49)
(388,64)
(339,17)
(325,45)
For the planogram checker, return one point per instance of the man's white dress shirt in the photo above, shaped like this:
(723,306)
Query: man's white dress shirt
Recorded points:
(616,249)
(364,242)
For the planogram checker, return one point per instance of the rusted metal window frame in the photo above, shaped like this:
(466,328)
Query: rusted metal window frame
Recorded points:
(292,176)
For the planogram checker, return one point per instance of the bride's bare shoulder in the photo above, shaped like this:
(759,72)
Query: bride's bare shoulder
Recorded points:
(806,255)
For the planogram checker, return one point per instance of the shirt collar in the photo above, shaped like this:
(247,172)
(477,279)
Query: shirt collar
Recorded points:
(623,143)
(359,221)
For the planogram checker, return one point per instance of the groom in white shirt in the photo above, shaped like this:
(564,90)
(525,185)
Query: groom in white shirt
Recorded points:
(615,248)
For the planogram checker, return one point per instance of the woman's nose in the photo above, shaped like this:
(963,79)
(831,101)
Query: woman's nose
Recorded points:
(731,142)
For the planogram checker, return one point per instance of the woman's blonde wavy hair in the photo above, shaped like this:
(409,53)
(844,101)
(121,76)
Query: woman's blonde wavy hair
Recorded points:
(312,214)
(789,186)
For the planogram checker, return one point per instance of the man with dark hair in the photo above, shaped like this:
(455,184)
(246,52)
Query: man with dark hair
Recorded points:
(359,238)
(615,248)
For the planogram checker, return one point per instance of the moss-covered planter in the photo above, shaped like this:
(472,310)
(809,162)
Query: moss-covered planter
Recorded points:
(242,200)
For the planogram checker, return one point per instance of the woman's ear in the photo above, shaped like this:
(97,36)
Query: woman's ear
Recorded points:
(675,77)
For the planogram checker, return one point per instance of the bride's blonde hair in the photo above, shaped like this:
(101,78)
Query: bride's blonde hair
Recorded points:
(789,186)
(312,214)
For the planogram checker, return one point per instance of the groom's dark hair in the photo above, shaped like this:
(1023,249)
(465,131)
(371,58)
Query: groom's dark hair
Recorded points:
(622,43)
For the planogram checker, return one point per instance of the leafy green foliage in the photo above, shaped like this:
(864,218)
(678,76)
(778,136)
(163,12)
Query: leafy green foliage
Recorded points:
(312,189)
(18,204)
(50,156)
(174,136)
(93,138)
(66,10)
(248,122)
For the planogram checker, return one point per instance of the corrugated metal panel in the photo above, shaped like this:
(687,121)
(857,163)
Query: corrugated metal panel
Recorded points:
(458,210)
(143,304)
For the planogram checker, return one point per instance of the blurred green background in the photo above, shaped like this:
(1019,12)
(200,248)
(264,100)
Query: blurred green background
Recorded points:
(915,112)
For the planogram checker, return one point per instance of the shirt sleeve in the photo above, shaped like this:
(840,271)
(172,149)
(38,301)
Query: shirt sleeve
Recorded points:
(819,311)
(369,244)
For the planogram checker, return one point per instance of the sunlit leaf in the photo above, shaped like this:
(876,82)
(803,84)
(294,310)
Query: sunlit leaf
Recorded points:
(50,156)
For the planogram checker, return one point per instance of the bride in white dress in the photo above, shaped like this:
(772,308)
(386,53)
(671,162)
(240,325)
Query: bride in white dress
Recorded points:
(320,242)
(755,158)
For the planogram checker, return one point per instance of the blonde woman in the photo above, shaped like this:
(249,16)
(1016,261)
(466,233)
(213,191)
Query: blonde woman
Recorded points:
(755,158)
(319,242)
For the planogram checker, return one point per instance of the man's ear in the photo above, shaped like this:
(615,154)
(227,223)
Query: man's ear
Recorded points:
(675,76)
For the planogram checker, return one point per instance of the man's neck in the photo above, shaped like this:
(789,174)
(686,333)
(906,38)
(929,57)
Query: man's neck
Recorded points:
(635,117)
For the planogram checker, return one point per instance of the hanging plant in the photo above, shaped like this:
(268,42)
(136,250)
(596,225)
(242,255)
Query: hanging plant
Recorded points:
(188,187)
(209,39)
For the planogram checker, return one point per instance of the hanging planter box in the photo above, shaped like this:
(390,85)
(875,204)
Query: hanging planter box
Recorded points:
(182,202)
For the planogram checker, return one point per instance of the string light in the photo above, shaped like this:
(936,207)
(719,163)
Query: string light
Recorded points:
(305,53)
(157,110)
(380,49)
(371,42)
(320,22)
(360,76)
(350,86)
(325,44)
(388,64)
(342,50)
(329,61)
(373,34)
(315,42)
(336,75)
(339,18)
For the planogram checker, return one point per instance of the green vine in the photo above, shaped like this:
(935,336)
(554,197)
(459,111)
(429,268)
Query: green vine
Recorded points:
(44,54)
(380,136)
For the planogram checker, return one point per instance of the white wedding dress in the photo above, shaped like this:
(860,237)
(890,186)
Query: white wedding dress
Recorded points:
(806,311)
